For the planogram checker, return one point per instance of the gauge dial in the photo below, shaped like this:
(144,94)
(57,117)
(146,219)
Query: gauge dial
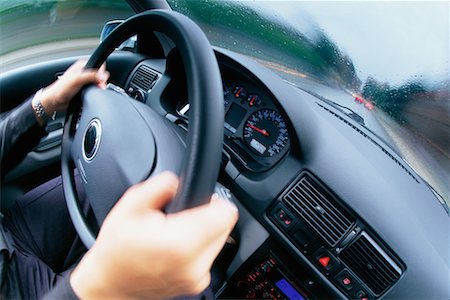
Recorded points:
(265,132)
(240,92)
(254,100)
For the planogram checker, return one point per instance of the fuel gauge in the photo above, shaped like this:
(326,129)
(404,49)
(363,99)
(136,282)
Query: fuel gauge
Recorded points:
(254,100)
(240,92)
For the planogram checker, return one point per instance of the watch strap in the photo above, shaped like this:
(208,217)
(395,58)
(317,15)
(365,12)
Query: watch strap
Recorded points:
(39,108)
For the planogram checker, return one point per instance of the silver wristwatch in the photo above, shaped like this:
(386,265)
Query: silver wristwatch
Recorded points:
(39,109)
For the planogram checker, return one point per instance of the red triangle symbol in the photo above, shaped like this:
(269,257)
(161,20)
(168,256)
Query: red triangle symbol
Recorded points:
(324,261)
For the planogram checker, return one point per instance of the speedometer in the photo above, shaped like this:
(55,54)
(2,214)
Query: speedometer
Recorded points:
(265,132)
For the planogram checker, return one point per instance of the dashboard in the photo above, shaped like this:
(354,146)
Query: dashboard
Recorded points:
(314,179)
(327,209)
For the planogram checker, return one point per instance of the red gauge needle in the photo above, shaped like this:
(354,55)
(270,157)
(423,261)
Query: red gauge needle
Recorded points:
(262,131)
(238,93)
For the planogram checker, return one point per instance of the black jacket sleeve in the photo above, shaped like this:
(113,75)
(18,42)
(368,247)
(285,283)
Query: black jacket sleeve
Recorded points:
(62,290)
(19,134)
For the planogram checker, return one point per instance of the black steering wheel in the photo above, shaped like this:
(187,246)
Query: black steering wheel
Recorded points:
(116,142)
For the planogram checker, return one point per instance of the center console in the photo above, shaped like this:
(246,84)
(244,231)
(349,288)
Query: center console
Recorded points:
(265,275)
(318,248)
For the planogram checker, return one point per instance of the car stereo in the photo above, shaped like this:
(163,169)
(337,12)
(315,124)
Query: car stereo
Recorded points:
(264,281)
(266,275)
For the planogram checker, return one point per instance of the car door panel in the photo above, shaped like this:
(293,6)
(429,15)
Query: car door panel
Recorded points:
(42,163)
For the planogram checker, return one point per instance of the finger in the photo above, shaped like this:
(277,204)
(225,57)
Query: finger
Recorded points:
(206,255)
(206,248)
(153,193)
(215,246)
(204,260)
(102,68)
(80,76)
(202,284)
(207,222)
(77,66)
(84,78)
(102,77)
(102,85)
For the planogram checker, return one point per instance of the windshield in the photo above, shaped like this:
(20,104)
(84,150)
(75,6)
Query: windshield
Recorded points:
(386,62)
(33,31)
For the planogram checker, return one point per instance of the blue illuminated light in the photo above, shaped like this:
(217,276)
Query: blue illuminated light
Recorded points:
(288,290)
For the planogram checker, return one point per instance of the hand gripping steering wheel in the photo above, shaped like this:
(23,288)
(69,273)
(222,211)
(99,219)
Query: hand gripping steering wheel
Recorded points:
(116,142)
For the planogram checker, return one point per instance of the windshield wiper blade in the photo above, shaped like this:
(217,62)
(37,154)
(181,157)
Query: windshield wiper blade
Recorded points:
(344,109)
(350,112)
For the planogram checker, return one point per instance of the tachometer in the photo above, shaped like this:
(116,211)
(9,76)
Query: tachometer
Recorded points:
(265,132)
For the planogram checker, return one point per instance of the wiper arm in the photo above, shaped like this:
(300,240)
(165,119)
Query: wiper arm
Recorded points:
(350,112)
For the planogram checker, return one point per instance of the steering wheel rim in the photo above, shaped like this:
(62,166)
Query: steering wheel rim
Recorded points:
(205,137)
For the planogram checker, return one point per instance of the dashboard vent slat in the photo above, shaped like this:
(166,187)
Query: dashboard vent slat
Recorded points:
(315,205)
(366,258)
(144,78)
(314,216)
(337,217)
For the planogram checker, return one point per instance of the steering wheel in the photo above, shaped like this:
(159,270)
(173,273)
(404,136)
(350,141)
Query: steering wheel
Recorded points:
(116,142)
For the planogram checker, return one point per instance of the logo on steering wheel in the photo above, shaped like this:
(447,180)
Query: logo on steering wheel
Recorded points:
(91,139)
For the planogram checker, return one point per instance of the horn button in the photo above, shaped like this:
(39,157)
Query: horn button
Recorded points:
(91,139)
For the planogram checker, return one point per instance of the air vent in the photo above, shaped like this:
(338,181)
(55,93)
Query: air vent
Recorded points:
(319,209)
(144,78)
(367,260)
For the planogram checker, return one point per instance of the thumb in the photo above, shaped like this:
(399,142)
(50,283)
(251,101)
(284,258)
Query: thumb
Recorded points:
(153,193)
(212,221)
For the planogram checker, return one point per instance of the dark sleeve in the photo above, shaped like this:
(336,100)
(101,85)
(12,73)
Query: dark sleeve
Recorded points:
(62,290)
(19,134)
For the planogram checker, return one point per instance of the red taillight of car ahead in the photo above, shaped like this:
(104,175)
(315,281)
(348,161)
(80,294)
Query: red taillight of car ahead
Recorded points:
(359,99)
(369,105)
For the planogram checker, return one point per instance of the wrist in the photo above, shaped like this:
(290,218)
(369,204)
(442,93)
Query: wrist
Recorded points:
(87,281)
(42,110)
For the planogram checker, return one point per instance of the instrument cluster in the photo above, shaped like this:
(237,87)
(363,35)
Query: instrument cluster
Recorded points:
(255,130)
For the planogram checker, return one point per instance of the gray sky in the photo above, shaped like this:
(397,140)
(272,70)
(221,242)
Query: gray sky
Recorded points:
(393,41)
